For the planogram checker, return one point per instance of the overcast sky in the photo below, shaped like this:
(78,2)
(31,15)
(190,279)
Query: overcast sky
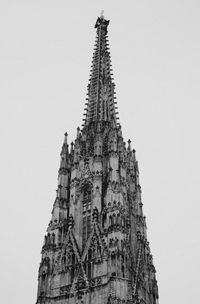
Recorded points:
(45,57)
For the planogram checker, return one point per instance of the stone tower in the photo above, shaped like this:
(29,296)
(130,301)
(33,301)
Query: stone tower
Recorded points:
(96,248)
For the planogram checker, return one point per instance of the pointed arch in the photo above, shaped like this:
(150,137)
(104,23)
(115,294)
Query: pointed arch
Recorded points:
(118,219)
(110,220)
(114,219)
(86,211)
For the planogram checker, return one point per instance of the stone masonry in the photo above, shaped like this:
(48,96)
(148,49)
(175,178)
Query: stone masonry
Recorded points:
(96,249)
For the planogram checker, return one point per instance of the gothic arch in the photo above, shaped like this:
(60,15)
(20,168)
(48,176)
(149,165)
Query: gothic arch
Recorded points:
(118,219)
(86,210)
(114,219)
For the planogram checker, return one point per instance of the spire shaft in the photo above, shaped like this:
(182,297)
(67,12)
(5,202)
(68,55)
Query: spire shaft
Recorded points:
(101,105)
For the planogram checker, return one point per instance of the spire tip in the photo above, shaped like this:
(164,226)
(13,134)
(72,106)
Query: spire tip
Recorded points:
(102,14)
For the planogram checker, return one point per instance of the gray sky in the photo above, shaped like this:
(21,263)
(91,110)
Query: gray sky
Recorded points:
(45,57)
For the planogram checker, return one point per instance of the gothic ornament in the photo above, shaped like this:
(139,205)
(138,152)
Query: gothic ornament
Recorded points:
(96,248)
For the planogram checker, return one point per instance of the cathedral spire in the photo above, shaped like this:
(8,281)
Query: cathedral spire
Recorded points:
(100,101)
(96,248)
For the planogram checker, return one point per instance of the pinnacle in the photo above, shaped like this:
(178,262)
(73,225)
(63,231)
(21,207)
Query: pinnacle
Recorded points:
(101,102)
(65,139)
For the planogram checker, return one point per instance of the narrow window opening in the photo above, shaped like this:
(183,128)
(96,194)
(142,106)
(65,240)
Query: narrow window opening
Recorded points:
(86,214)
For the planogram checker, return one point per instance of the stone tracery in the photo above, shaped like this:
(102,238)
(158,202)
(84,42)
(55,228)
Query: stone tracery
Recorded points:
(96,248)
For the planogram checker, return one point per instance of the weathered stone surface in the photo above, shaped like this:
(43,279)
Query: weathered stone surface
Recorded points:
(96,248)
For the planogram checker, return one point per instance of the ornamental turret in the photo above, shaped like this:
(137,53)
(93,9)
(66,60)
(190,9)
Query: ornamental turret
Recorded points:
(96,248)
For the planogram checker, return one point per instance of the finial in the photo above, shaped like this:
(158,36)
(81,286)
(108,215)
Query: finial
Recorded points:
(102,14)
(129,145)
(103,23)
(65,140)
(72,145)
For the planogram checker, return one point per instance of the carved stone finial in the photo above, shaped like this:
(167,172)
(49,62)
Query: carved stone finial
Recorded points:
(129,145)
(72,147)
(65,139)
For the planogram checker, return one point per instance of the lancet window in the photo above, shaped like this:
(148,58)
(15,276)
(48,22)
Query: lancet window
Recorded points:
(87,197)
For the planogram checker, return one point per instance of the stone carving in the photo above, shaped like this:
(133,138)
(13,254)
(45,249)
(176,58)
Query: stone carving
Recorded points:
(95,249)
